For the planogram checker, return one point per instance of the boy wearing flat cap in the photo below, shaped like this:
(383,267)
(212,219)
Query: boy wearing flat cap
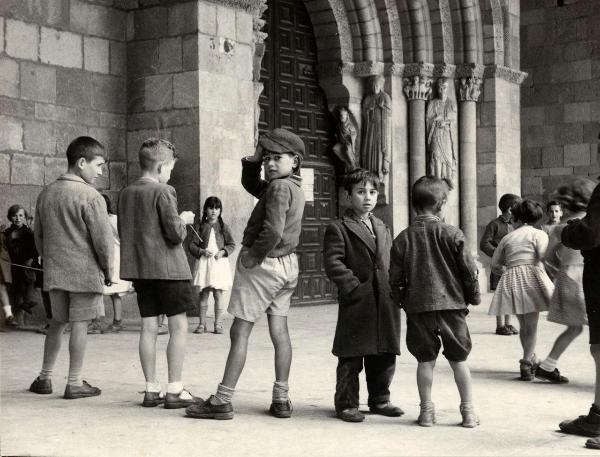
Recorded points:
(266,272)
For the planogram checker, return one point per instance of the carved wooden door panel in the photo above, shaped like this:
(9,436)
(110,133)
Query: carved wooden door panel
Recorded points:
(293,99)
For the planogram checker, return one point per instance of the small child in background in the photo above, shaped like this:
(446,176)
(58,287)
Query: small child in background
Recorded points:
(357,259)
(119,287)
(565,265)
(494,232)
(5,279)
(524,288)
(20,244)
(554,212)
(212,272)
(434,278)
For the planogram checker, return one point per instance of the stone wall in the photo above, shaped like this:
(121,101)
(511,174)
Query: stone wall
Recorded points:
(560,50)
(62,74)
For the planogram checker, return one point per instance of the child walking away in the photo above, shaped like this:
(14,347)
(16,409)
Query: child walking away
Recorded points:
(554,212)
(266,272)
(584,234)
(20,244)
(567,306)
(152,256)
(212,272)
(434,278)
(73,236)
(524,288)
(357,259)
(119,287)
(494,232)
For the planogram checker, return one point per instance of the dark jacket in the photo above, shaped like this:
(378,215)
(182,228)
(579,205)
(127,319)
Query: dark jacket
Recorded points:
(584,234)
(73,236)
(368,321)
(430,268)
(494,232)
(151,232)
(222,235)
(273,229)
(20,245)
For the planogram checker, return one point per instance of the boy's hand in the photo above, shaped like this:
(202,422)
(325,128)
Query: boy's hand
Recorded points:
(208,253)
(258,154)
(107,282)
(187,217)
(247,260)
(219,254)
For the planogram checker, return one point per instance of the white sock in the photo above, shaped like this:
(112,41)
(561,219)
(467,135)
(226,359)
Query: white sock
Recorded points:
(174,387)
(153,386)
(549,364)
(7,310)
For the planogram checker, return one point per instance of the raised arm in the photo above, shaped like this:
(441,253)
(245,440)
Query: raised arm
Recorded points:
(334,253)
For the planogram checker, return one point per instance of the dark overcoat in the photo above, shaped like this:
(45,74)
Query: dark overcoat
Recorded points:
(368,320)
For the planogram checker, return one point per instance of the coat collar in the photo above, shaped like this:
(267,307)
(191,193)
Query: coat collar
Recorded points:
(293,179)
(71,177)
(360,230)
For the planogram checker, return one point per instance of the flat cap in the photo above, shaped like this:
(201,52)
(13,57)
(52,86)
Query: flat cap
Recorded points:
(281,140)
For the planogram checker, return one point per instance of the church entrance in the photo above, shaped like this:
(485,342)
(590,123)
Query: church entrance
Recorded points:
(292,99)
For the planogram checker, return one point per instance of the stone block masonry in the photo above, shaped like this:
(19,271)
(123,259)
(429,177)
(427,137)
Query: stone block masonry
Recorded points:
(559,104)
(62,75)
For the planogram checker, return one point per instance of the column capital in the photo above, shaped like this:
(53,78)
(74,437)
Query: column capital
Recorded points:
(469,89)
(417,87)
(467,70)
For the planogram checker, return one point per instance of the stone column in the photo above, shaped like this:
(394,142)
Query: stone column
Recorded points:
(417,89)
(468,91)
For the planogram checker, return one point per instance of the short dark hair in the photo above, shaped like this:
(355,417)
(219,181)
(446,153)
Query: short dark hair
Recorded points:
(14,209)
(552,203)
(84,147)
(151,153)
(507,201)
(109,206)
(575,195)
(527,211)
(429,192)
(359,176)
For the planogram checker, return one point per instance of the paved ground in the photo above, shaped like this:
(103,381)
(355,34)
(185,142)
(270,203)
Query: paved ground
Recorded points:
(518,418)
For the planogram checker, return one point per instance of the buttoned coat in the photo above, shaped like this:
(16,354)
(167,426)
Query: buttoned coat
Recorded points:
(368,320)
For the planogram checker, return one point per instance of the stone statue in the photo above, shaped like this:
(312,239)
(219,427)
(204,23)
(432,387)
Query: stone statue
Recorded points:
(345,136)
(375,151)
(440,120)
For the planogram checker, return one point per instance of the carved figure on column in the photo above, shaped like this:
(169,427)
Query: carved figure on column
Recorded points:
(440,120)
(345,135)
(376,129)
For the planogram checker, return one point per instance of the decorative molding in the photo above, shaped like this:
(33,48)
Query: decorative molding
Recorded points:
(368,68)
(250,6)
(469,89)
(419,69)
(444,70)
(418,87)
(468,70)
(508,74)
(394,69)
(338,7)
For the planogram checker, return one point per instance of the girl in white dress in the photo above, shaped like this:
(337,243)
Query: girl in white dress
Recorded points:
(524,288)
(212,246)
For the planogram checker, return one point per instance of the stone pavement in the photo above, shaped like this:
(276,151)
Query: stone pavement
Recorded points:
(517,418)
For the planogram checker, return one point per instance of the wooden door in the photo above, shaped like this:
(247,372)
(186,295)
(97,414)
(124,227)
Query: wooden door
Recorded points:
(292,99)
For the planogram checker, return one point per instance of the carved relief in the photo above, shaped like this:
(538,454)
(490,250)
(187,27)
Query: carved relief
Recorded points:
(440,120)
(469,89)
(417,87)
(345,136)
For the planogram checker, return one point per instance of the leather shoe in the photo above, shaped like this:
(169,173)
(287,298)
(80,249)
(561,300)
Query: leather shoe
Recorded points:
(386,409)
(152,399)
(351,415)
(82,391)
(41,386)
(174,401)
(281,409)
(210,410)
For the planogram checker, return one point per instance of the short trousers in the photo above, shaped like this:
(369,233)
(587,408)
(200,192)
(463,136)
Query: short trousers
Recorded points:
(75,306)
(267,287)
(592,300)
(164,296)
(426,332)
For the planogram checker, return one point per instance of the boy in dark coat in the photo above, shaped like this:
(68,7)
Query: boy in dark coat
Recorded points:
(357,257)
(433,277)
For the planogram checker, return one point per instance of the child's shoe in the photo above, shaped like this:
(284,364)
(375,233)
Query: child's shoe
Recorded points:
(469,418)
(200,329)
(181,400)
(593,443)
(552,376)
(115,327)
(152,399)
(11,321)
(386,409)
(218,329)
(512,329)
(584,425)
(527,370)
(163,329)
(210,410)
(503,331)
(281,409)
(41,386)
(351,415)
(82,391)
(94,328)
(427,415)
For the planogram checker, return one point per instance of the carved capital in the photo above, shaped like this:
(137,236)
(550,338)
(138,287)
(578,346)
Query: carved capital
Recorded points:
(368,68)
(417,87)
(469,89)
(466,70)
(394,69)
(506,73)
(419,69)
(444,70)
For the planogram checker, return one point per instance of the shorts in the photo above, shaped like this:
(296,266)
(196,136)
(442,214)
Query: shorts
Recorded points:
(267,287)
(592,300)
(164,296)
(75,306)
(426,332)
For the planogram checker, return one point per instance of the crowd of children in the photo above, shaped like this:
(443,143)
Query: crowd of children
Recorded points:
(88,253)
